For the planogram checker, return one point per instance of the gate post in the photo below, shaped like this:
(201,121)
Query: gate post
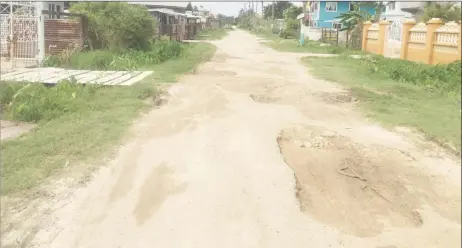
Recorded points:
(366,27)
(407,25)
(383,25)
(41,33)
(432,25)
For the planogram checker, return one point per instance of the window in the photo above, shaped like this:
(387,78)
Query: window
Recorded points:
(331,6)
(351,7)
(58,9)
(336,25)
(391,5)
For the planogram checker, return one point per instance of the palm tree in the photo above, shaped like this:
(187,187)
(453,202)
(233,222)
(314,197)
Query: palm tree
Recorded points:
(352,21)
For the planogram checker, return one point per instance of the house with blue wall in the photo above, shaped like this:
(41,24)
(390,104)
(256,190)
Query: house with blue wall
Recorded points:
(325,14)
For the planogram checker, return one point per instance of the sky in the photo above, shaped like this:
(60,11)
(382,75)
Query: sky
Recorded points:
(225,8)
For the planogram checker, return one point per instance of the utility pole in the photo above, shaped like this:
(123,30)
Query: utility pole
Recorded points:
(272,15)
(272,11)
(262,14)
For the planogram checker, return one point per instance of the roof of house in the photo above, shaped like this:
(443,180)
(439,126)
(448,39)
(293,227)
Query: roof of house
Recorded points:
(168,3)
(166,11)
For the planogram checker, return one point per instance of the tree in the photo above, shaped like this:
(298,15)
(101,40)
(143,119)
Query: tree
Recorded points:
(195,9)
(116,25)
(189,7)
(292,12)
(352,19)
(445,11)
(279,8)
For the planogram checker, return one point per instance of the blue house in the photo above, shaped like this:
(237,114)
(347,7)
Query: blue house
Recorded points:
(324,14)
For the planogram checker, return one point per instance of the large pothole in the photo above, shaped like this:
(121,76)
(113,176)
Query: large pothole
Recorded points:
(358,189)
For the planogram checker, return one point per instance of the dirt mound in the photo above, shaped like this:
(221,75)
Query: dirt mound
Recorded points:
(358,189)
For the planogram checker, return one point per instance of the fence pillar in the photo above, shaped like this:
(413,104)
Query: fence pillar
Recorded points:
(432,25)
(459,41)
(405,35)
(40,33)
(366,26)
(383,25)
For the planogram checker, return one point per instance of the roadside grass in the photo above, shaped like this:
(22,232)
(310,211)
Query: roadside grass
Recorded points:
(77,125)
(130,59)
(401,93)
(212,34)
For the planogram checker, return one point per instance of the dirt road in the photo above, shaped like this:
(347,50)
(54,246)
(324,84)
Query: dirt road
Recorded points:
(252,151)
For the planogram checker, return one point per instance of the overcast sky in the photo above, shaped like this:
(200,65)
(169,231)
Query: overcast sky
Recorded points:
(225,8)
(232,8)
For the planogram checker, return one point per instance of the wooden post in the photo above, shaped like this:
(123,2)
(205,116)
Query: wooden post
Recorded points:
(366,27)
(383,25)
(432,25)
(405,35)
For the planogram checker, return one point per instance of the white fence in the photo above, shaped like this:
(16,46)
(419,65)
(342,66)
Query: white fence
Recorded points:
(316,34)
(21,34)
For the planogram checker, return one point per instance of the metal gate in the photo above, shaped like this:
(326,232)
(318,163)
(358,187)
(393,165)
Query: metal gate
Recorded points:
(21,30)
(393,41)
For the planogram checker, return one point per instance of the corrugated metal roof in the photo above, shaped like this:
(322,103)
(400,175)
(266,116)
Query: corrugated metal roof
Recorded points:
(166,11)
(173,4)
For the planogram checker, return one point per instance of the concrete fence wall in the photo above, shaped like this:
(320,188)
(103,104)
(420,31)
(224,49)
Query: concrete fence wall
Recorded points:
(431,43)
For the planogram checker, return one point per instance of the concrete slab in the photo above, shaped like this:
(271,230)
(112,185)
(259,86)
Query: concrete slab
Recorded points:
(52,75)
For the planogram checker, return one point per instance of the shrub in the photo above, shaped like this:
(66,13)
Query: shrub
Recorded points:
(445,77)
(116,25)
(129,59)
(291,29)
(35,102)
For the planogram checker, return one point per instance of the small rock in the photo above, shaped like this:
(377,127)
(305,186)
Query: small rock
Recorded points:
(307,144)
(328,134)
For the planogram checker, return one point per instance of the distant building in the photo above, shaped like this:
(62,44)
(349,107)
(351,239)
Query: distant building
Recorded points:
(398,11)
(324,14)
(175,6)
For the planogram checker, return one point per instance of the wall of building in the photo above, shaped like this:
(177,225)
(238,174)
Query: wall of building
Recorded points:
(325,16)
(53,6)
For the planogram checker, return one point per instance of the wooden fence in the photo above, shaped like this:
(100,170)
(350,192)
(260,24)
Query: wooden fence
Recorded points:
(430,43)
(62,34)
(329,36)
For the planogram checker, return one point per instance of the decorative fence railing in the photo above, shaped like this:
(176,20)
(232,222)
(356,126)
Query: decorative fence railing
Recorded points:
(432,43)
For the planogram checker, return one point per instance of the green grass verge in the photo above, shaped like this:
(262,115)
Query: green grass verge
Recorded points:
(212,34)
(93,121)
(401,93)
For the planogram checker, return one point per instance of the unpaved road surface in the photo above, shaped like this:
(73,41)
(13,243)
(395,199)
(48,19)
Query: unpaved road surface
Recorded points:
(253,152)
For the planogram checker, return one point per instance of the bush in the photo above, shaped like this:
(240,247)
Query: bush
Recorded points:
(38,102)
(291,29)
(116,25)
(129,59)
(445,77)
(35,102)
